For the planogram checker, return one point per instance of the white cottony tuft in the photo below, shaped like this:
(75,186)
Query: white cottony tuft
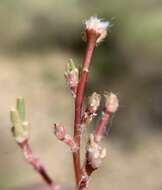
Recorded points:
(98,26)
(111,102)
(95,23)
(95,153)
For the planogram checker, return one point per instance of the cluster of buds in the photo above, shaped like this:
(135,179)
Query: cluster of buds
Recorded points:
(95,153)
(94,156)
(72,77)
(92,107)
(60,133)
(19,128)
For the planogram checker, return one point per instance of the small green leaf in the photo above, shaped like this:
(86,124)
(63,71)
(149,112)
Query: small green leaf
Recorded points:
(21,108)
(71,65)
(15,118)
(19,125)
(18,130)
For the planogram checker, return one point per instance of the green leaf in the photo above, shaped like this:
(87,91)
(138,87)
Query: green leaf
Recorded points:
(21,108)
(19,132)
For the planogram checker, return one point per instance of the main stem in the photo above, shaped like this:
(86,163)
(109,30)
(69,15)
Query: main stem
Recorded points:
(91,42)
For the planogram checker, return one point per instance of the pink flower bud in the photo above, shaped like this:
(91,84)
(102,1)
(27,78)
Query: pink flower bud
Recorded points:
(59,131)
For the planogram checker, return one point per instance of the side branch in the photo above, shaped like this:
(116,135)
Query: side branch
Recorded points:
(20,132)
(94,152)
(60,133)
(110,107)
(37,165)
(94,156)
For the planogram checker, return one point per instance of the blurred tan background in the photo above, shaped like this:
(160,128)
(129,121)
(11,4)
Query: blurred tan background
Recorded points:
(36,40)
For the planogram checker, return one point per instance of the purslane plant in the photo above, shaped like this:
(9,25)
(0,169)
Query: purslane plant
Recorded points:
(95,31)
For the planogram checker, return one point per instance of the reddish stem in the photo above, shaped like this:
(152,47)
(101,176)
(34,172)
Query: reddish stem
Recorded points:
(91,42)
(31,159)
(101,125)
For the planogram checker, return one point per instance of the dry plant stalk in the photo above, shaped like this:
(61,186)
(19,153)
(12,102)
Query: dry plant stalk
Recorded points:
(95,32)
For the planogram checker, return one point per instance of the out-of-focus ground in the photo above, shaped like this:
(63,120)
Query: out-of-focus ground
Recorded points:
(36,40)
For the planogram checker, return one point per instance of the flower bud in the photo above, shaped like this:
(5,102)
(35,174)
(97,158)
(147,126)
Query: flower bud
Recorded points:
(72,77)
(94,102)
(59,131)
(95,153)
(111,102)
(97,27)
